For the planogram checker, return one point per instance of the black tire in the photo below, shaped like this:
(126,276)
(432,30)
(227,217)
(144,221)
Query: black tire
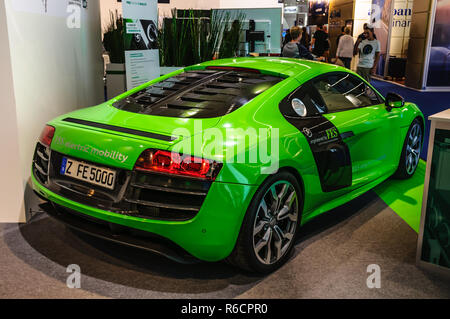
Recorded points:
(403,170)
(244,255)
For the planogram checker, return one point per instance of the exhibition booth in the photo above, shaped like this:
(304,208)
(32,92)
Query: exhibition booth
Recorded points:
(167,149)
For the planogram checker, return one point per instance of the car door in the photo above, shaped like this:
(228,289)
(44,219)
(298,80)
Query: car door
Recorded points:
(305,109)
(363,123)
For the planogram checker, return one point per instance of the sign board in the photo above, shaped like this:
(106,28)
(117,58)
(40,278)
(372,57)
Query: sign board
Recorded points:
(141,41)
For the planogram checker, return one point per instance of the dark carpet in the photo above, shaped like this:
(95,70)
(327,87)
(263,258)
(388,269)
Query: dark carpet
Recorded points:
(330,261)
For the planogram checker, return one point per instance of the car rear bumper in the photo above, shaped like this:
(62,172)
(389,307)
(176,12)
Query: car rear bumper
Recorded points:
(210,235)
(118,234)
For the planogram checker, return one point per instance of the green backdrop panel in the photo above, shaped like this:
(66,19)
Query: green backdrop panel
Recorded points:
(405,196)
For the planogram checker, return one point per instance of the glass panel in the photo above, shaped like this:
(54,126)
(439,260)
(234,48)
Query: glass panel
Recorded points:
(436,236)
(309,97)
(342,91)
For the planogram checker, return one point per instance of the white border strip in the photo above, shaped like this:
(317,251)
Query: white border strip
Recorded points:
(431,22)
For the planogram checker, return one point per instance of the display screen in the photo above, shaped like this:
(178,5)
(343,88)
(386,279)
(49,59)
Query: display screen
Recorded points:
(318,12)
(439,64)
(436,233)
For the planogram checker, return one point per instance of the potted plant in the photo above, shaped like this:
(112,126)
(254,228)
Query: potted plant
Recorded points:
(190,39)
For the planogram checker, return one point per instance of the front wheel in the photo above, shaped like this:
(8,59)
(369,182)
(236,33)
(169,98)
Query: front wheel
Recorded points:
(270,225)
(411,151)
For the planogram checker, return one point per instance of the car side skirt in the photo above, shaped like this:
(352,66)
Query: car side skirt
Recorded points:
(343,199)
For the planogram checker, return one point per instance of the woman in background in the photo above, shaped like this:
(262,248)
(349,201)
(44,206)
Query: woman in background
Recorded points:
(345,48)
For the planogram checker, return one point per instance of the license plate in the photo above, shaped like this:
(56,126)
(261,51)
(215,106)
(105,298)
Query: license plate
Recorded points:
(89,173)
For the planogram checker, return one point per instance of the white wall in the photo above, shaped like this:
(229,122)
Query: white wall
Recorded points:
(401,28)
(248,4)
(165,9)
(55,69)
(107,6)
(361,15)
(11,188)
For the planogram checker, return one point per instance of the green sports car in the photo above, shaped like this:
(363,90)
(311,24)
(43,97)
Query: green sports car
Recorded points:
(224,159)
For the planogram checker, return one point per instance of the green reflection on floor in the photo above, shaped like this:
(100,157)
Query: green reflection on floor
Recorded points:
(405,196)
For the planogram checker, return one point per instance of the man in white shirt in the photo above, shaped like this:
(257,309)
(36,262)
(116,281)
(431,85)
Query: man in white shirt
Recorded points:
(369,55)
(345,48)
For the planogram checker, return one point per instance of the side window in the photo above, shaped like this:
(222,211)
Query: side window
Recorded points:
(306,96)
(343,91)
(312,99)
(373,97)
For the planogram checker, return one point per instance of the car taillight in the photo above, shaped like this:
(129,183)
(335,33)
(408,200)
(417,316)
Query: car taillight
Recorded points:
(177,164)
(47,135)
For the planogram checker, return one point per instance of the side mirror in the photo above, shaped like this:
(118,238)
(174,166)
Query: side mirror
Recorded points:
(393,100)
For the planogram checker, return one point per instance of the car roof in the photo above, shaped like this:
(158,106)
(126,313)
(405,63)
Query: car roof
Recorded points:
(285,67)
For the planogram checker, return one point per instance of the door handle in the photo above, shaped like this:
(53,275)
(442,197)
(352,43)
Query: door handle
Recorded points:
(347,135)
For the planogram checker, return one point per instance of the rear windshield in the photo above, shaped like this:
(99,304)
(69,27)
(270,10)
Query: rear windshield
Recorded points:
(199,94)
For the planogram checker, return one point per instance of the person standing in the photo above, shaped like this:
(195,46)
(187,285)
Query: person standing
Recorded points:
(305,40)
(294,49)
(340,36)
(369,55)
(320,42)
(345,48)
(360,38)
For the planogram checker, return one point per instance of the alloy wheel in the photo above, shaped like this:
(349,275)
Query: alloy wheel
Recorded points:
(275,223)
(413,147)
